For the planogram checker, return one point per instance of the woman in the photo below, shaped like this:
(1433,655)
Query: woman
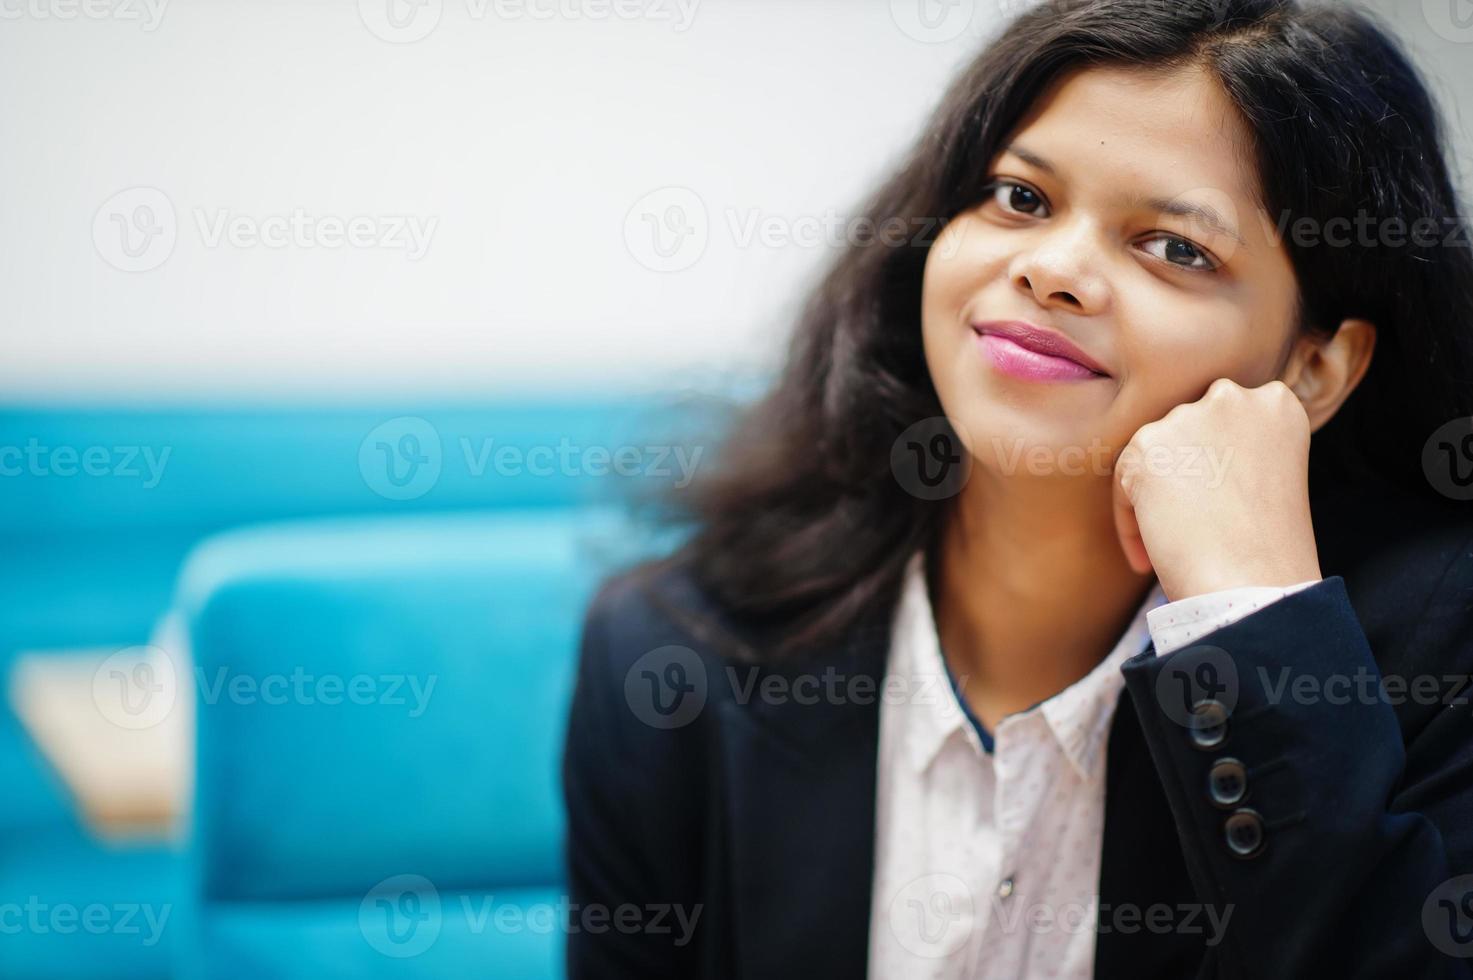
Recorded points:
(1077,603)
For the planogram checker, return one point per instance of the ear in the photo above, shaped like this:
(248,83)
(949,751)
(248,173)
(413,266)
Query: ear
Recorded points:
(1323,373)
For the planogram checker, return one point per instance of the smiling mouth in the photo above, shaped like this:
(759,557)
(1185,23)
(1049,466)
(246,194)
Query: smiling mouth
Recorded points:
(1041,340)
(1018,361)
(1032,353)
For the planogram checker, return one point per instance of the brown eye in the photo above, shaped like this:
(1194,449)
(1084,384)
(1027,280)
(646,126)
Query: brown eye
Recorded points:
(1183,254)
(1017,198)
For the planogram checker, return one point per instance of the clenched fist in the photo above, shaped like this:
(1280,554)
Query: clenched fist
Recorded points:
(1215,494)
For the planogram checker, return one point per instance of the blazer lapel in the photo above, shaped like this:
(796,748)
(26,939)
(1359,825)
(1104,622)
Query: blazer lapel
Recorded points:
(799,767)
(1141,865)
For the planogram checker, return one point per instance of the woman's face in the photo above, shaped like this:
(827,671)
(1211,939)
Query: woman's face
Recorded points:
(1077,236)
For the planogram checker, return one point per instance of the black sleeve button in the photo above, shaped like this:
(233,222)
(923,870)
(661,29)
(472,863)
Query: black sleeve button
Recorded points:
(1208,727)
(1243,831)
(1227,783)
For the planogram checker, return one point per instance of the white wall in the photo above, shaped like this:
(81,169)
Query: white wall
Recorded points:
(525,140)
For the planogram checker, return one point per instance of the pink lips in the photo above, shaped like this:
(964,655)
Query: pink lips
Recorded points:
(1034,353)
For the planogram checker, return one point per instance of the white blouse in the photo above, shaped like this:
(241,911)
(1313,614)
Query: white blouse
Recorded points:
(987,864)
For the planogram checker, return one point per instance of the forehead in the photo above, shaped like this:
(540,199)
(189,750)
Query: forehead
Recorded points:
(1150,134)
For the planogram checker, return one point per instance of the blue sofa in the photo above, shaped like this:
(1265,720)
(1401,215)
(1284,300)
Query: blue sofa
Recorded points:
(275,516)
(379,730)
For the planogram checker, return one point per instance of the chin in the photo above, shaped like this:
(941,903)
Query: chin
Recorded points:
(1034,447)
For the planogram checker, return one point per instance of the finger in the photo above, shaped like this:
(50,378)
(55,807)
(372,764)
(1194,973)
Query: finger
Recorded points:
(1127,528)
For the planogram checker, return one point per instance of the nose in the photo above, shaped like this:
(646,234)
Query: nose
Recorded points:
(1061,270)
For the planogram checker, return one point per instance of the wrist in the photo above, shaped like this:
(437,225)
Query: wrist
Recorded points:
(1278,574)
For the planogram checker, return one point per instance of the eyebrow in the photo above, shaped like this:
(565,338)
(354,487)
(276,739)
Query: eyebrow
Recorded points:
(1177,208)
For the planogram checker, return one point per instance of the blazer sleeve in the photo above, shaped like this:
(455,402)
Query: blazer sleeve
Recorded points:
(1174,625)
(632,889)
(1341,844)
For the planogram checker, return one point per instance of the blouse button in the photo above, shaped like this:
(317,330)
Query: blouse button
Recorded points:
(1006,887)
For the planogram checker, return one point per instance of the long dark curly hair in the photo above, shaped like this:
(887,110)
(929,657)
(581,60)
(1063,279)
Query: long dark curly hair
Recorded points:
(801,525)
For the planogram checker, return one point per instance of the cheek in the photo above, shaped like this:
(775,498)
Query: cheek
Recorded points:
(1179,348)
(960,262)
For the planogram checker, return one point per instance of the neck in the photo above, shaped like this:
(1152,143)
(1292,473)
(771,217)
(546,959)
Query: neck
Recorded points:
(1030,588)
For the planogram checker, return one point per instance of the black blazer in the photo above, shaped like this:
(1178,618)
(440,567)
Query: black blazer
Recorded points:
(686,788)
